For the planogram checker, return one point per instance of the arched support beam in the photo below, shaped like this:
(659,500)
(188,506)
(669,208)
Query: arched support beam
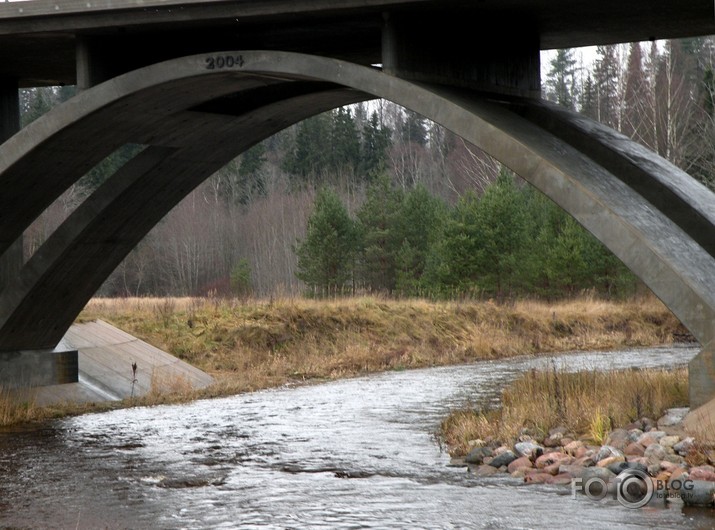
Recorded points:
(601,178)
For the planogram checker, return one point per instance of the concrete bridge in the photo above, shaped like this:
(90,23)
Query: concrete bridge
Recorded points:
(198,82)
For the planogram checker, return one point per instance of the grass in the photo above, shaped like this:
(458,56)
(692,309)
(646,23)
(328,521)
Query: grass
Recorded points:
(253,344)
(585,403)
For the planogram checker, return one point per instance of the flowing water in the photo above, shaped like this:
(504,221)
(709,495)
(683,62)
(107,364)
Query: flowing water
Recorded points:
(357,453)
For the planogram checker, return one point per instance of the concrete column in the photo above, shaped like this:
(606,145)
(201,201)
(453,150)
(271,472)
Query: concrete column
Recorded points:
(486,54)
(91,68)
(11,261)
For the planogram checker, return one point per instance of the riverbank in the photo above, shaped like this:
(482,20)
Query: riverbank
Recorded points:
(255,344)
(595,431)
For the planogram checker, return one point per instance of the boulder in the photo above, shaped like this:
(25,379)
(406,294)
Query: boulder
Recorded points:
(706,473)
(552,458)
(477,455)
(537,478)
(669,441)
(504,459)
(618,438)
(611,460)
(654,454)
(673,417)
(617,467)
(483,470)
(698,493)
(597,472)
(684,446)
(608,451)
(528,448)
(522,462)
(634,449)
(571,447)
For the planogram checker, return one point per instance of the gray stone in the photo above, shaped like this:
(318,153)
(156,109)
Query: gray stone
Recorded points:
(698,493)
(654,453)
(597,472)
(673,417)
(608,451)
(503,459)
(477,455)
(684,446)
(528,448)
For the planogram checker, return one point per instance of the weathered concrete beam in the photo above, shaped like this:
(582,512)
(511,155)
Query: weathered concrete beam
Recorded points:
(30,368)
(491,54)
(11,260)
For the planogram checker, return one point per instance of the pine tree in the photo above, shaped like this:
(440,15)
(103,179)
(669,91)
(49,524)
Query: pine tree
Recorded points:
(344,142)
(379,225)
(326,255)
(376,140)
(560,80)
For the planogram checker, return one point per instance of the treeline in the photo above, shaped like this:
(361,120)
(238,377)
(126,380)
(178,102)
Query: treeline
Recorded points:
(422,206)
(510,241)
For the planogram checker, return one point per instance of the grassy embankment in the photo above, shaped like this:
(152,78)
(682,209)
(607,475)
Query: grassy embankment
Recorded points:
(588,404)
(260,343)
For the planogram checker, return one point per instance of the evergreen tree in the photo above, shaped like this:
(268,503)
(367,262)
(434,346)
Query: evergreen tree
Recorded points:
(326,255)
(380,232)
(560,80)
(309,155)
(344,142)
(606,76)
(421,218)
(376,140)
(250,171)
(413,128)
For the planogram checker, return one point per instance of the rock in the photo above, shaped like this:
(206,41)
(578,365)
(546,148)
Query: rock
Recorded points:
(521,472)
(483,470)
(611,460)
(584,461)
(618,438)
(669,441)
(597,472)
(698,493)
(504,459)
(607,451)
(680,474)
(706,473)
(653,469)
(552,458)
(523,462)
(637,460)
(634,449)
(476,443)
(561,479)
(572,470)
(647,424)
(501,449)
(617,467)
(634,434)
(684,446)
(636,425)
(662,477)
(537,478)
(654,454)
(477,455)
(638,466)
(553,441)
(528,448)
(673,417)
(675,459)
(670,467)
(566,440)
(571,447)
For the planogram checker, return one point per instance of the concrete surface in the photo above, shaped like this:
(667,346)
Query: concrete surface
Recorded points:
(105,359)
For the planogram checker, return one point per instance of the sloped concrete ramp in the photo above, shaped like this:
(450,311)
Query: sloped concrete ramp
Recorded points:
(106,355)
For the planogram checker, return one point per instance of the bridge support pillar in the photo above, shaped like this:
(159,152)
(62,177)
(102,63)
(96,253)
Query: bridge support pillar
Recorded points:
(498,55)
(12,260)
(701,376)
(32,368)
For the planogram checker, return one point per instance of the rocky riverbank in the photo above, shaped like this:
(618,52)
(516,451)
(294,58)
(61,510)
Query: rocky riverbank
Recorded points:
(645,461)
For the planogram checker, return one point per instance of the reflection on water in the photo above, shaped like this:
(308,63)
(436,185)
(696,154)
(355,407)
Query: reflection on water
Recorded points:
(353,453)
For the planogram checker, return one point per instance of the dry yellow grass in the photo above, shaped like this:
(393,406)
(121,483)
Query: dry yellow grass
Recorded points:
(252,344)
(586,403)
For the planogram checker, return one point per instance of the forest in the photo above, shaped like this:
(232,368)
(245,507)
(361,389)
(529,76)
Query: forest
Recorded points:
(373,198)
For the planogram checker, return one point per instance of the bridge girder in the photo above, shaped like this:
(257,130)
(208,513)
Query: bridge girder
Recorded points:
(193,119)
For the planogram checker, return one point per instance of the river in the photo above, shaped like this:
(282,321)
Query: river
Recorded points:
(356,453)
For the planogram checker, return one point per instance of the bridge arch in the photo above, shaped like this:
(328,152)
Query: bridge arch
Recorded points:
(197,113)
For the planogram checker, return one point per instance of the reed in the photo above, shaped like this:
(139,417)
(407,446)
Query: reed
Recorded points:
(587,403)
